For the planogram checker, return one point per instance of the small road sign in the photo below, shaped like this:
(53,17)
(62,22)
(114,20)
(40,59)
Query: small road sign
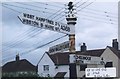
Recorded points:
(60,47)
(100,72)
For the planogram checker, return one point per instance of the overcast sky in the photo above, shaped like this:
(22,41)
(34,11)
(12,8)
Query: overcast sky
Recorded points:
(96,26)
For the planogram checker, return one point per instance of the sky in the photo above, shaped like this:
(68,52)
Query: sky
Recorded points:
(97,25)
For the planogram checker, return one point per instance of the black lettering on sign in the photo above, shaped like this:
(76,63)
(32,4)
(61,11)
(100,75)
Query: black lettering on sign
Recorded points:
(96,72)
(28,16)
(57,29)
(30,22)
(65,28)
(43,19)
(83,58)
(37,18)
(50,22)
(40,19)
(55,23)
(49,27)
(41,25)
(24,21)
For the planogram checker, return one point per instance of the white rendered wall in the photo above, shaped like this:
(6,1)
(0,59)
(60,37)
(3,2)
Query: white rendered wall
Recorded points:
(52,68)
(46,61)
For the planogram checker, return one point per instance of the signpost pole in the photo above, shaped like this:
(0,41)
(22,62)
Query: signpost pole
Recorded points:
(71,21)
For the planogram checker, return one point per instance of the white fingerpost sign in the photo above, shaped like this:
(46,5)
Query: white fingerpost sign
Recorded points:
(100,72)
(60,47)
(44,23)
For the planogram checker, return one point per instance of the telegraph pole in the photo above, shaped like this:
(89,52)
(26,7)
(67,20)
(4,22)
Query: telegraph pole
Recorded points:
(71,21)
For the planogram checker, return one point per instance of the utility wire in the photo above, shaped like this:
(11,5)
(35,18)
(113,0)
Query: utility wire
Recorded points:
(17,43)
(43,3)
(35,6)
(36,47)
(34,10)
(91,9)
(76,8)
(111,20)
(86,6)
(90,12)
(56,13)
(96,17)
(89,19)
(13,9)
(82,4)
(61,13)
(29,9)
(21,12)
(21,35)
(105,15)
(92,16)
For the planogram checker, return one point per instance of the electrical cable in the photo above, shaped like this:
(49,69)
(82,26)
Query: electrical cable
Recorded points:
(23,53)
(35,6)
(29,9)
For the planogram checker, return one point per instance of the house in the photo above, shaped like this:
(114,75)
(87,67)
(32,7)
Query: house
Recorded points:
(110,57)
(19,68)
(57,65)
(54,65)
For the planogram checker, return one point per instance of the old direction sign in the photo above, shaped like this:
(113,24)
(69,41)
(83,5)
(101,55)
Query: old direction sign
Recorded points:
(60,47)
(44,23)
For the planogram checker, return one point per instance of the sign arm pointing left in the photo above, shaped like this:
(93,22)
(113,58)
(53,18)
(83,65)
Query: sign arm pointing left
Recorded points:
(20,19)
(44,23)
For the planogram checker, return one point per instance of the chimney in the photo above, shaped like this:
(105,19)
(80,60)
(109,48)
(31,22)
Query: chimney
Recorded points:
(17,57)
(115,44)
(83,48)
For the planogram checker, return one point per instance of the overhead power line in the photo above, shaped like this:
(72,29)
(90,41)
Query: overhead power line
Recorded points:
(76,8)
(86,5)
(82,4)
(12,9)
(23,53)
(101,15)
(96,17)
(29,8)
(45,3)
(107,16)
(89,19)
(91,9)
(35,6)
(79,6)
(19,41)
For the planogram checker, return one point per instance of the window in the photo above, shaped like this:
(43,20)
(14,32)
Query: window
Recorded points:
(46,67)
(83,67)
(109,64)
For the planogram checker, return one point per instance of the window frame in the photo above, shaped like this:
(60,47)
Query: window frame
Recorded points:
(46,68)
